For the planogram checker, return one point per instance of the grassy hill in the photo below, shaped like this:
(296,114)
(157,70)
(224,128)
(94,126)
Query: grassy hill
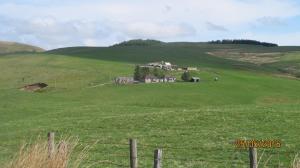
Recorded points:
(229,56)
(13,47)
(195,124)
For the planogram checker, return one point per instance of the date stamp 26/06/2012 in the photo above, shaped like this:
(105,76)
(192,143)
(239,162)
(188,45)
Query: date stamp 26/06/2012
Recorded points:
(239,143)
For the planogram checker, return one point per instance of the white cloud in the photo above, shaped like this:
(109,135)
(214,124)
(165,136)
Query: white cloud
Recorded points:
(156,30)
(54,23)
(214,27)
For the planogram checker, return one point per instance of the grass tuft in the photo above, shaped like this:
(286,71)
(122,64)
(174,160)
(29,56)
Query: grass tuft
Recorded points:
(37,156)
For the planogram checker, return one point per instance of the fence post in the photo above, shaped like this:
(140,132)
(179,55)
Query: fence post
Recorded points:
(158,158)
(253,157)
(133,153)
(51,144)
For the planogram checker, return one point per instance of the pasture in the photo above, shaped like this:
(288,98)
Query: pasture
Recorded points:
(194,124)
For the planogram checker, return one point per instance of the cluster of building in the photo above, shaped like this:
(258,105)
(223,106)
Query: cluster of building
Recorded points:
(168,66)
(154,79)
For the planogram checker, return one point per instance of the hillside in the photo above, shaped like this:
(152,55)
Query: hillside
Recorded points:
(278,60)
(13,47)
(195,124)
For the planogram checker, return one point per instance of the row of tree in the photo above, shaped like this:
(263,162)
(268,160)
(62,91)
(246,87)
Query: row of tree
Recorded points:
(242,41)
(141,72)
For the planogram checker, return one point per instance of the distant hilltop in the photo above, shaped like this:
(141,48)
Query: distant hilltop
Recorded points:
(139,42)
(13,47)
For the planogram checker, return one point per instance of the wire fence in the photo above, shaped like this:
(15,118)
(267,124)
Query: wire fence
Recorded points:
(111,154)
(173,155)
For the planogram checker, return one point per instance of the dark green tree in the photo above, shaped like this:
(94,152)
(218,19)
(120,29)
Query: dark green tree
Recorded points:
(186,76)
(145,71)
(137,73)
(158,73)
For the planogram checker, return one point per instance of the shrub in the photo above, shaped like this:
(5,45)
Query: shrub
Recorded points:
(186,76)
(137,73)
(158,73)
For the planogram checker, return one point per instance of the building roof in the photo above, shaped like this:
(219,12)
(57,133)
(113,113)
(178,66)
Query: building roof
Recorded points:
(168,63)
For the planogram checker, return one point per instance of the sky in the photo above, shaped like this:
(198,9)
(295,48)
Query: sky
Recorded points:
(62,23)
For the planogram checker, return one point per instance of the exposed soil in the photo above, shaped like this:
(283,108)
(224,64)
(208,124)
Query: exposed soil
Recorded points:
(34,87)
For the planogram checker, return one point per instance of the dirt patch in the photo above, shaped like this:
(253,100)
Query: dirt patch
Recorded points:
(270,100)
(256,58)
(34,87)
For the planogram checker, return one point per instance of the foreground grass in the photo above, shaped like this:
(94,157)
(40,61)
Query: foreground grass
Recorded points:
(195,124)
(38,155)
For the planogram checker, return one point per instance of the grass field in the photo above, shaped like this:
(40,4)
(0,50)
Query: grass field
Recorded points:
(195,124)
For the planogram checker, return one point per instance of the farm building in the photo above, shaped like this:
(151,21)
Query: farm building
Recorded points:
(169,79)
(124,80)
(190,68)
(154,79)
(195,79)
(151,79)
(161,65)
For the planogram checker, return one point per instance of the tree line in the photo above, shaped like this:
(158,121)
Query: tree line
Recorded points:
(242,41)
(141,72)
(139,42)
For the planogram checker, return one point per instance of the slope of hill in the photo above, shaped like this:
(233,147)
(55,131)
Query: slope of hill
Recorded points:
(195,124)
(13,47)
(229,56)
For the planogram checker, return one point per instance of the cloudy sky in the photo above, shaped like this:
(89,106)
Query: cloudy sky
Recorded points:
(60,23)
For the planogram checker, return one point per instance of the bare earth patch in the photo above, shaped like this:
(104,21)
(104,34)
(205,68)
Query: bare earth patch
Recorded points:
(34,87)
(256,58)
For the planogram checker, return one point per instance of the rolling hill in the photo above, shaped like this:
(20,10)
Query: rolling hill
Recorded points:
(13,47)
(194,124)
(278,60)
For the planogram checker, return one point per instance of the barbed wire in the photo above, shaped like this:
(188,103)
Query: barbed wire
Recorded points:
(182,154)
(108,162)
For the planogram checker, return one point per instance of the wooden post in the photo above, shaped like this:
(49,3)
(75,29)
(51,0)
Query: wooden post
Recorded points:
(133,153)
(51,144)
(157,158)
(253,157)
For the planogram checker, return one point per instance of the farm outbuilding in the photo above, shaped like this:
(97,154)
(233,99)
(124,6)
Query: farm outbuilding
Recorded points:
(124,80)
(169,79)
(154,79)
(190,68)
(162,65)
(151,79)
(195,79)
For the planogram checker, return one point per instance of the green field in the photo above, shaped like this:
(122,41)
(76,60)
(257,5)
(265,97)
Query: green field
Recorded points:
(194,124)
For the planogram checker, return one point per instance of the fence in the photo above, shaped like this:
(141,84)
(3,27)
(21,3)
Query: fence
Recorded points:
(158,159)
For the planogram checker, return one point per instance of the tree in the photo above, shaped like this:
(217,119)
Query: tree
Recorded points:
(140,72)
(145,71)
(137,73)
(158,73)
(186,76)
